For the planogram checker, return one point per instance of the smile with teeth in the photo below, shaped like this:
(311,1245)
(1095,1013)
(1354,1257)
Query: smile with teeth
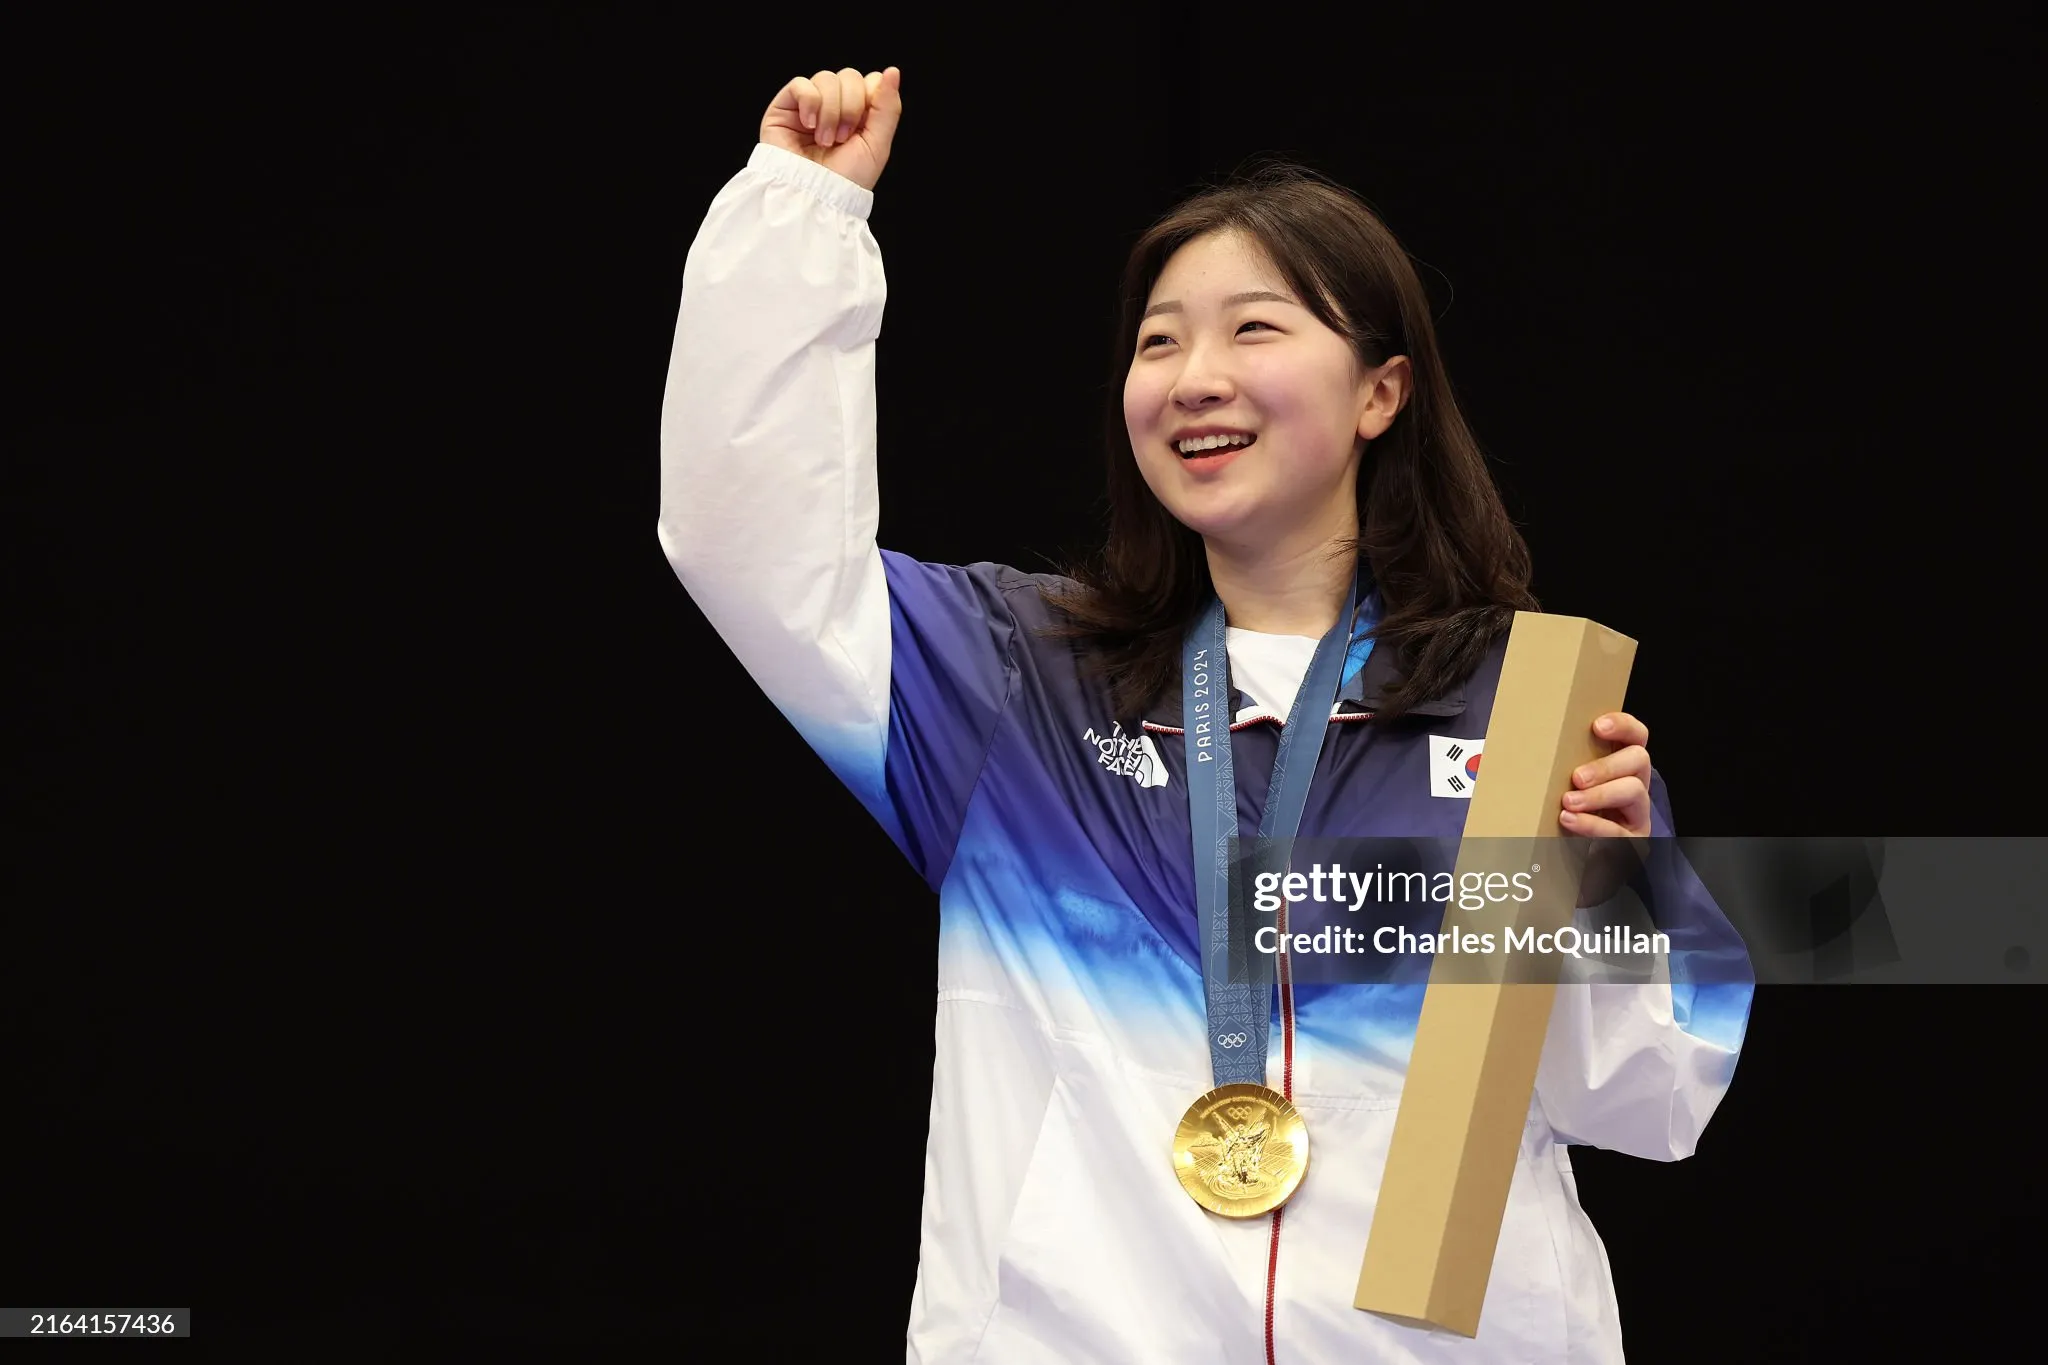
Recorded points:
(1202,445)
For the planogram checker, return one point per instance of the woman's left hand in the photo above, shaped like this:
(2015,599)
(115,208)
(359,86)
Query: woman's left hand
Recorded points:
(1610,797)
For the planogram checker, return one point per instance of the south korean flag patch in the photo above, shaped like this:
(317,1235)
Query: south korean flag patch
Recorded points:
(1453,766)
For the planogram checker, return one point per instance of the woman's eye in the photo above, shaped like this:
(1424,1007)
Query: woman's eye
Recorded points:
(1157,337)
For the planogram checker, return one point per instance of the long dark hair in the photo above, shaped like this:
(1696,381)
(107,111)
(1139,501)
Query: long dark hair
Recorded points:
(1450,565)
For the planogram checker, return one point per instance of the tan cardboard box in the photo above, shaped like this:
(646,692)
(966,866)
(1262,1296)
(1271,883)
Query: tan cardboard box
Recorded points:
(1478,1043)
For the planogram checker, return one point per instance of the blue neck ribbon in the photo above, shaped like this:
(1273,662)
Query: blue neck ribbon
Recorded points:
(1237,978)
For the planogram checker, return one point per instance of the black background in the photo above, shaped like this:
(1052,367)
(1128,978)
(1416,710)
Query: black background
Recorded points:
(416,923)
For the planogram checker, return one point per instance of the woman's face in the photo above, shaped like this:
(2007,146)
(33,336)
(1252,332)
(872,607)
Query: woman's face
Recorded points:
(1227,348)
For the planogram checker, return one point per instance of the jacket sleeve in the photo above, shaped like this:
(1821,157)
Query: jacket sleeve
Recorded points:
(895,672)
(1639,1067)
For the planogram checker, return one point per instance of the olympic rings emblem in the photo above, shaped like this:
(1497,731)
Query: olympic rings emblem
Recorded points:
(1232,1039)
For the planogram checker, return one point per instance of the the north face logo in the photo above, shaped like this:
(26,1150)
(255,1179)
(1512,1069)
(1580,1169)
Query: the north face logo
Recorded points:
(1128,756)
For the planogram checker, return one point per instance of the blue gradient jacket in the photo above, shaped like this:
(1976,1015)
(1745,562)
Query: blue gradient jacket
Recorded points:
(1069,1017)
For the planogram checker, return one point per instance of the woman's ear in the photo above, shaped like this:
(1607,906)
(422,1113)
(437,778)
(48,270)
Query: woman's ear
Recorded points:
(1383,391)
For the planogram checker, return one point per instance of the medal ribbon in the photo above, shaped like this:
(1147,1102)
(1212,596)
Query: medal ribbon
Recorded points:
(1240,1009)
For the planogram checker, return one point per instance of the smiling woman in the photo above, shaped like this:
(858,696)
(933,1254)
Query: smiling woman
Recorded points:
(1283,377)
(1278,305)
(1298,617)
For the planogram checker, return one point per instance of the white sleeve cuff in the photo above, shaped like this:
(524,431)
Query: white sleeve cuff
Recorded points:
(827,185)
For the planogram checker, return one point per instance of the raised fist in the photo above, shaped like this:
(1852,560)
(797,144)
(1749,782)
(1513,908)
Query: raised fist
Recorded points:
(841,119)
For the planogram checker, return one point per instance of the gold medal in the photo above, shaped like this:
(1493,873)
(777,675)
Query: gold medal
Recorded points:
(1240,1150)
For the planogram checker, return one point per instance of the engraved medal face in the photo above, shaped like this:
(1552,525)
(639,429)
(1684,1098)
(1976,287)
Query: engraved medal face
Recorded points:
(1240,1150)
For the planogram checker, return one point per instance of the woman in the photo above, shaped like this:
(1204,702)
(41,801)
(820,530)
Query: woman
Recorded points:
(1294,491)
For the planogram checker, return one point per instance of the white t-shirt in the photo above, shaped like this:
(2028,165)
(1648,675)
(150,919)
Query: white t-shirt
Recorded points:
(1268,669)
